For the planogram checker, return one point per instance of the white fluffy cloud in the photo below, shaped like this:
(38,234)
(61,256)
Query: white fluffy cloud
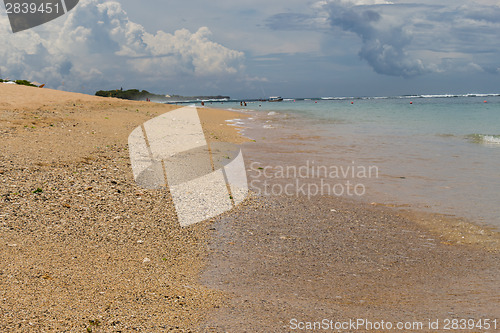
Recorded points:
(97,44)
(194,52)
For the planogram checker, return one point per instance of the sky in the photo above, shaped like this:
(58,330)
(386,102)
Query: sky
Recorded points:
(262,48)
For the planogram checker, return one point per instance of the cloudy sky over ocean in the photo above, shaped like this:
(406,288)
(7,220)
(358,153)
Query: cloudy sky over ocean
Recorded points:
(256,49)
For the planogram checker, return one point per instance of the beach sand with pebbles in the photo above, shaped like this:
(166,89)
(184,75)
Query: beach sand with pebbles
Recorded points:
(82,246)
(84,249)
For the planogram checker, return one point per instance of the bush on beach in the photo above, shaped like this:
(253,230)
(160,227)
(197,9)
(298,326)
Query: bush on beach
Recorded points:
(25,83)
(20,82)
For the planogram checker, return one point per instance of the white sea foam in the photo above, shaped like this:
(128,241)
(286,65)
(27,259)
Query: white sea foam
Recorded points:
(439,96)
(491,139)
(459,95)
(486,139)
(341,98)
(235,122)
(336,98)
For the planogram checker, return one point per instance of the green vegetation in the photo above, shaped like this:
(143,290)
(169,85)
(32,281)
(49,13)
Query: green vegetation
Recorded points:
(24,83)
(21,82)
(132,94)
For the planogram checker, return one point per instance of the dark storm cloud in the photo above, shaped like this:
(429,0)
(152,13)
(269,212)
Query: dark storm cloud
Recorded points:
(383,47)
(407,40)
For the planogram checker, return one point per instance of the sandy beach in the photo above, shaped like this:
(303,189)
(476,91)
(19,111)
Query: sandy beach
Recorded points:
(84,248)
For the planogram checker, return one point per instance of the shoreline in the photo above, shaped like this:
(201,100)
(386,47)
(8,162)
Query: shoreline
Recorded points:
(383,261)
(85,248)
(288,140)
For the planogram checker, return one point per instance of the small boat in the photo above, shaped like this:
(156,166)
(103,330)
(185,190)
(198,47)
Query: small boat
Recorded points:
(275,99)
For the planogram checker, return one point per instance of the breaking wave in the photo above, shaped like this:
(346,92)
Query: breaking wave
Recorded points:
(487,139)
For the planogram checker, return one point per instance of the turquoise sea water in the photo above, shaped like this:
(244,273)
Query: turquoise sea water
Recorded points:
(436,153)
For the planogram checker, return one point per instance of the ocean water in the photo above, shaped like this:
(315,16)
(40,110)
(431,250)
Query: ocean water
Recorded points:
(436,153)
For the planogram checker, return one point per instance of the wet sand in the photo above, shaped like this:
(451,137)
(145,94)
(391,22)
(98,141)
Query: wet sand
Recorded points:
(296,259)
(286,258)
